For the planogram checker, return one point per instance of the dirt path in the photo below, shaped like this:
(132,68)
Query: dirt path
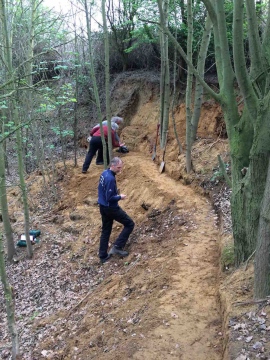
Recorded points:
(189,307)
(161,302)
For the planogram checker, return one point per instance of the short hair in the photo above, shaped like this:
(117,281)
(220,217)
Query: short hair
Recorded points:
(115,161)
(116,119)
(114,126)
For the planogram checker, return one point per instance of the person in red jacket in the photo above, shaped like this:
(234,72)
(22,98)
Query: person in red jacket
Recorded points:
(95,146)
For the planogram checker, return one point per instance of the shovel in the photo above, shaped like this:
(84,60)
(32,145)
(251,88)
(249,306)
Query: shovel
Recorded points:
(162,165)
(155,146)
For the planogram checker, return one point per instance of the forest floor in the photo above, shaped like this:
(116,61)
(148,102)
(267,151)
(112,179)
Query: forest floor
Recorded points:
(160,302)
(173,297)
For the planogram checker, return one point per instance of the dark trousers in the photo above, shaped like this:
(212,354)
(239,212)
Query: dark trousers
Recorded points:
(108,215)
(95,146)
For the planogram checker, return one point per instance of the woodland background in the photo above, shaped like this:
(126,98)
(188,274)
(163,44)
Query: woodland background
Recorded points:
(53,65)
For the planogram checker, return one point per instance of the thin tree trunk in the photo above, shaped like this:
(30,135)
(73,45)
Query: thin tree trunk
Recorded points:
(162,81)
(200,68)
(167,84)
(75,124)
(62,140)
(107,77)
(165,74)
(15,115)
(189,130)
(93,78)
(4,207)
(22,183)
(9,300)
(174,89)
(223,170)
(173,107)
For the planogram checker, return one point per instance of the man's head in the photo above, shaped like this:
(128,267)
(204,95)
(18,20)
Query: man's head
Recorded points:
(114,126)
(116,165)
(117,119)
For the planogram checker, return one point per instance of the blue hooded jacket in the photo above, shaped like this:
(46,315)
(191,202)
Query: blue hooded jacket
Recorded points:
(107,189)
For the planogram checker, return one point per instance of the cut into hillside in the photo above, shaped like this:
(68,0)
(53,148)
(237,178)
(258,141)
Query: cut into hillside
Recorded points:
(163,300)
(160,302)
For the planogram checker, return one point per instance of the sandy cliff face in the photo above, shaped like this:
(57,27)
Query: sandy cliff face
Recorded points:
(137,100)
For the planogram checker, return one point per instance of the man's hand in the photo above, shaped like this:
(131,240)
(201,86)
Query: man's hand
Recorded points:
(123,196)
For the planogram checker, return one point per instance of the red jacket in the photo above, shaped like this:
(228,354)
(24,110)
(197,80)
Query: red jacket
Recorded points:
(96,132)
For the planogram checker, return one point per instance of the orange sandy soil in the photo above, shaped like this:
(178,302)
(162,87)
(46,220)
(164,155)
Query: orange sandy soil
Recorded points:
(163,300)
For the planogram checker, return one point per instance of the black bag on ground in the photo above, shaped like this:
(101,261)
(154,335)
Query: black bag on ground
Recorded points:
(123,149)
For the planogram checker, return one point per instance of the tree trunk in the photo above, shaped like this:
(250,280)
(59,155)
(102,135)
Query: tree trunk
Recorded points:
(4,207)
(15,116)
(162,80)
(189,129)
(75,123)
(262,255)
(62,140)
(165,74)
(23,184)
(107,78)
(249,131)
(248,188)
(93,78)
(167,82)
(9,304)
(200,68)
(174,102)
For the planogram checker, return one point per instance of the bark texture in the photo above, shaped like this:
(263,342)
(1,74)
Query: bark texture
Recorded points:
(262,256)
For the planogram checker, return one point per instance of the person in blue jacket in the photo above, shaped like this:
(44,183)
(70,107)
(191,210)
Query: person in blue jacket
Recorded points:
(108,199)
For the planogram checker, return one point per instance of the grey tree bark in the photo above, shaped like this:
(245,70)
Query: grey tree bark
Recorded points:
(15,115)
(193,115)
(9,301)
(262,255)
(11,250)
(174,102)
(75,124)
(189,130)
(248,131)
(201,69)
(165,74)
(93,78)
(107,77)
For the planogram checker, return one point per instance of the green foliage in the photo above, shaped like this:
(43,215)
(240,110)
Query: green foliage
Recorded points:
(44,108)
(143,35)
(35,314)
(65,95)
(63,133)
(53,99)
(227,256)
(3,105)
(48,32)
(218,174)
(61,67)
(10,124)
